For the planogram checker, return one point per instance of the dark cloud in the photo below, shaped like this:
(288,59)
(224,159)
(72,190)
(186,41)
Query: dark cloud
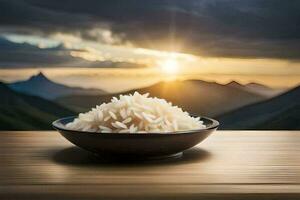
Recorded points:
(226,28)
(25,15)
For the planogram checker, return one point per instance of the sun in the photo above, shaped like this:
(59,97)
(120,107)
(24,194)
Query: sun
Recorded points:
(169,66)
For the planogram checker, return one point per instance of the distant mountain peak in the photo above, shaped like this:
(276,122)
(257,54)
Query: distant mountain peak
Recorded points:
(40,74)
(40,85)
(252,84)
(39,77)
(234,83)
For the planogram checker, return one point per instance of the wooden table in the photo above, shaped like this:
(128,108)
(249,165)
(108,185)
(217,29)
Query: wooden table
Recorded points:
(228,165)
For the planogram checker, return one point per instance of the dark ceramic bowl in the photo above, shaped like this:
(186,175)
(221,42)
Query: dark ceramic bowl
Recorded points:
(139,145)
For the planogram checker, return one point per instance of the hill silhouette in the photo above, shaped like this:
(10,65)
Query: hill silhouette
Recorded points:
(24,112)
(281,112)
(40,85)
(195,96)
(257,89)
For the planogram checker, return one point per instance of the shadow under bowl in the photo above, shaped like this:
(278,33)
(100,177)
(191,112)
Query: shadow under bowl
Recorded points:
(135,145)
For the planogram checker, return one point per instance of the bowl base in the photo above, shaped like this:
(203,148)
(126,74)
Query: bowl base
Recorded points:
(130,158)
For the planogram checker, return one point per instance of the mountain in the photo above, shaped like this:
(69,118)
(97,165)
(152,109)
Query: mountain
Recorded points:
(195,96)
(280,112)
(40,85)
(263,90)
(24,112)
(256,88)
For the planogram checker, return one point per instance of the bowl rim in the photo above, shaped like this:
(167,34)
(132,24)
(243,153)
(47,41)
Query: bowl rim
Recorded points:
(60,127)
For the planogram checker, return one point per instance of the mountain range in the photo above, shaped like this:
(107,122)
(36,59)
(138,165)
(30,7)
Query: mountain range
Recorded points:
(195,96)
(40,85)
(280,112)
(257,89)
(25,112)
(33,104)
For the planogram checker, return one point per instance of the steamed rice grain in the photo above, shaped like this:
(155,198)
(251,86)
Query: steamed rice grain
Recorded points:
(135,114)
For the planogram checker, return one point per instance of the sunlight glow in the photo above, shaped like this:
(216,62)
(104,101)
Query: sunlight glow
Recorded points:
(169,66)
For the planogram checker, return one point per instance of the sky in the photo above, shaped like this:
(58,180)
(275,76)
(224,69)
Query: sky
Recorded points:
(135,43)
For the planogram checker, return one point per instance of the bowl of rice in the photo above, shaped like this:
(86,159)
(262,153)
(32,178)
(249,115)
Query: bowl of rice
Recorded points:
(136,125)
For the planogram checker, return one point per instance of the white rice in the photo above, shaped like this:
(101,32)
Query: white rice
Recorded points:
(135,114)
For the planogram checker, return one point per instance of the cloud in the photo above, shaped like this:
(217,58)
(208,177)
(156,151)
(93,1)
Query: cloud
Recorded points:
(23,17)
(22,55)
(215,28)
(32,40)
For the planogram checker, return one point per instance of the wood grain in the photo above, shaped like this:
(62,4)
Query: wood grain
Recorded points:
(228,165)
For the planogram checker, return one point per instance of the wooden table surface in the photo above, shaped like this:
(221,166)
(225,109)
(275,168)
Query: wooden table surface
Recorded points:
(227,165)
